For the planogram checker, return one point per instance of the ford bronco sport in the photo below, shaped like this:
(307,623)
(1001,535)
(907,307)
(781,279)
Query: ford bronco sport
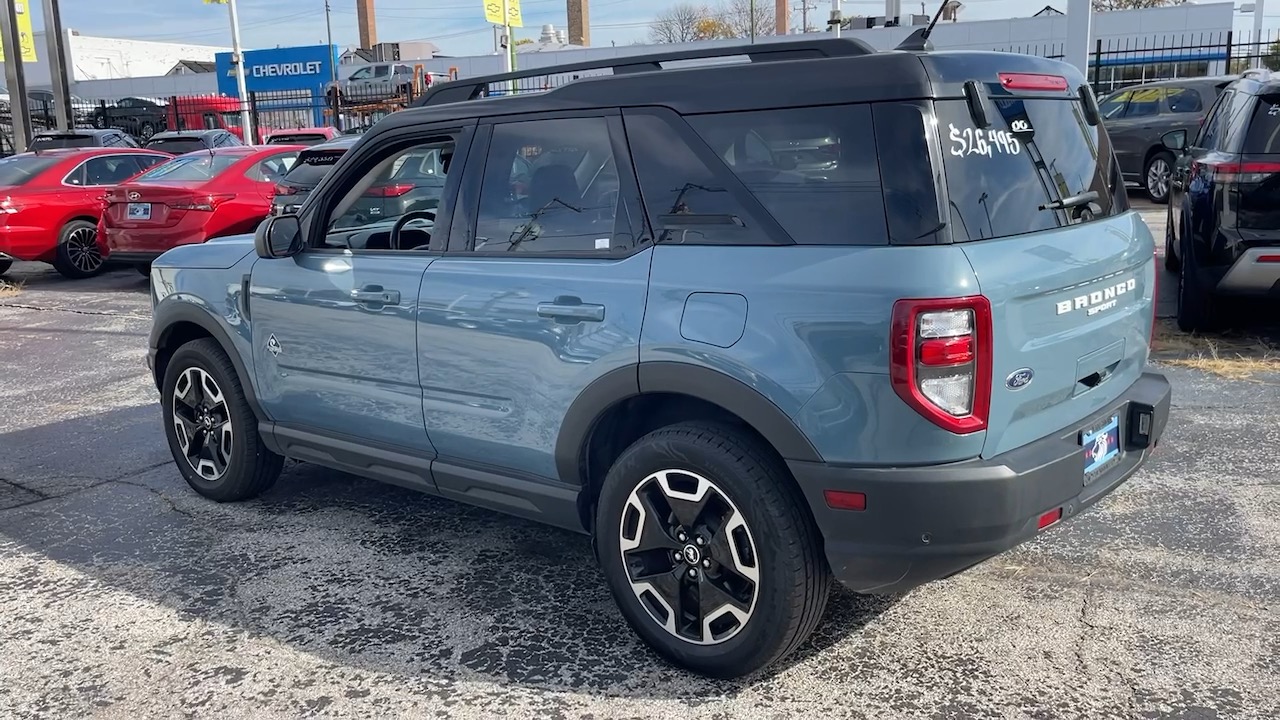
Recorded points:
(635,314)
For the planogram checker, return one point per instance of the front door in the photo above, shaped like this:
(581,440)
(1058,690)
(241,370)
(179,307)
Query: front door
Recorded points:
(541,293)
(335,351)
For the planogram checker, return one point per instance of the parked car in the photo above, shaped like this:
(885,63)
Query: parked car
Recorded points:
(301,136)
(743,381)
(380,81)
(180,142)
(44,109)
(191,199)
(89,137)
(312,166)
(138,116)
(1222,232)
(1137,117)
(50,202)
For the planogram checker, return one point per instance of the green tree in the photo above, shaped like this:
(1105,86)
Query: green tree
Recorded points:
(1105,5)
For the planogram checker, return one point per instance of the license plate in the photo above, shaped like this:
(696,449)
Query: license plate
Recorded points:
(139,211)
(1101,447)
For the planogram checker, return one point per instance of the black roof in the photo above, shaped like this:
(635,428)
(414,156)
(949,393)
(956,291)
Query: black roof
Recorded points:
(173,134)
(780,74)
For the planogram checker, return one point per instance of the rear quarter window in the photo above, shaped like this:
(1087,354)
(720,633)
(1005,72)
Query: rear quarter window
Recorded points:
(312,166)
(815,170)
(1263,137)
(1001,179)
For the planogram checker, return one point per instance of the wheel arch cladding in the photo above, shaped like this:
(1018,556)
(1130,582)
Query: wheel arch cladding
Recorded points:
(629,402)
(177,324)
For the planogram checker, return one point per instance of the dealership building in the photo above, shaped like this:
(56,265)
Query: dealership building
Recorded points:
(1181,40)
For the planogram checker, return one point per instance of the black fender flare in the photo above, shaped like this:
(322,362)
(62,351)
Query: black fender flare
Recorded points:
(168,316)
(680,378)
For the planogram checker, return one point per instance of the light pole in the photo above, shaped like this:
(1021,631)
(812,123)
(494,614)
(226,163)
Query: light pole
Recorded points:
(333,66)
(836,20)
(237,64)
(1258,15)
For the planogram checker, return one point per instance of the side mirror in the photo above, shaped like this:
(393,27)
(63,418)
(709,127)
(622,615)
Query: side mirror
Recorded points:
(1175,140)
(278,236)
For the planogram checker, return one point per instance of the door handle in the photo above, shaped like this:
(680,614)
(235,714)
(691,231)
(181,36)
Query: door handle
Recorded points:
(571,309)
(376,295)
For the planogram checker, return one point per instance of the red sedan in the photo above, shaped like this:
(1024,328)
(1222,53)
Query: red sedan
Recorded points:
(192,198)
(50,202)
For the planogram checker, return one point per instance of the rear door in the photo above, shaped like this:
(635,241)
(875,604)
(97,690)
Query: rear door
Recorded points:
(1071,288)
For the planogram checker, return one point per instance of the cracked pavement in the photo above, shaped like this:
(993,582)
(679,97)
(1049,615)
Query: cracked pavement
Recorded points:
(125,595)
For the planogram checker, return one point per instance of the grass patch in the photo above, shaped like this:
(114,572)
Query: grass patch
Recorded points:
(1238,357)
(9,288)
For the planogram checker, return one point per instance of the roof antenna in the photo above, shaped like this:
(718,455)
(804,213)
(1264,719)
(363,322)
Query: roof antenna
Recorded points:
(919,40)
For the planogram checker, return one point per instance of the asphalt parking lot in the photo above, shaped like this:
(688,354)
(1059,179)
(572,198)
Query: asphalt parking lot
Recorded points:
(123,594)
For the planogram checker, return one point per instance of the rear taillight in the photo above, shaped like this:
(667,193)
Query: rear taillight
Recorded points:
(1032,81)
(387,191)
(941,360)
(1234,172)
(206,203)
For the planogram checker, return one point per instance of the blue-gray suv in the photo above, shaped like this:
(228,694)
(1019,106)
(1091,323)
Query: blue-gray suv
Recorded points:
(875,329)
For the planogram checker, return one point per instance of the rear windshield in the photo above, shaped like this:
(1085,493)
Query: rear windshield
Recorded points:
(44,142)
(296,139)
(1264,128)
(191,168)
(312,166)
(1003,179)
(18,169)
(176,146)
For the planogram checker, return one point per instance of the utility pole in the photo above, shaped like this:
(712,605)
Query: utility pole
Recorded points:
(59,76)
(836,20)
(805,7)
(333,67)
(16,77)
(753,20)
(237,64)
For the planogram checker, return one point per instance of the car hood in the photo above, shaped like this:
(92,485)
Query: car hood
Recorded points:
(216,254)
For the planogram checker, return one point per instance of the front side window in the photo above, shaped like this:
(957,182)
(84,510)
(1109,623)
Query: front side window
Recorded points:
(549,186)
(1113,105)
(1005,179)
(813,169)
(386,193)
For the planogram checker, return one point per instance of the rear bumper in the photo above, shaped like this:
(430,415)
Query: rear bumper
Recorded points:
(925,523)
(1255,272)
(133,258)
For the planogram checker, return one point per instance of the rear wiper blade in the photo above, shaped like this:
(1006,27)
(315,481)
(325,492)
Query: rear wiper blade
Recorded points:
(1083,198)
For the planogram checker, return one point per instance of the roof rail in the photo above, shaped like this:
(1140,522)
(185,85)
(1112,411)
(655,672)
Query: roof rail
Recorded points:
(1261,73)
(466,89)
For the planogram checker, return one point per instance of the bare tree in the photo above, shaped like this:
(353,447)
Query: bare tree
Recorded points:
(740,17)
(678,23)
(1105,5)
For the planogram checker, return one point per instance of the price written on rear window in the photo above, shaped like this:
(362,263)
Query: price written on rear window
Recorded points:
(989,143)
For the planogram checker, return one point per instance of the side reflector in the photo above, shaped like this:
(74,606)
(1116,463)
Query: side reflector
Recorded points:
(1050,518)
(1269,258)
(845,500)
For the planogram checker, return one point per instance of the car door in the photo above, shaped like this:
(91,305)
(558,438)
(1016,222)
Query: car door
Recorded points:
(1183,192)
(541,294)
(334,345)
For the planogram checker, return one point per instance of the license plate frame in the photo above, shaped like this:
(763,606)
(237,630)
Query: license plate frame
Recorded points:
(1100,445)
(138,211)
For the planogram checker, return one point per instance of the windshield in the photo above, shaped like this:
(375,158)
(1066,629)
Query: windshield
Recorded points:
(190,168)
(312,166)
(1004,179)
(18,169)
(45,142)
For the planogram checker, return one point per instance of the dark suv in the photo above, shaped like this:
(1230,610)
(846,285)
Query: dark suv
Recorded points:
(1137,117)
(1222,234)
(903,333)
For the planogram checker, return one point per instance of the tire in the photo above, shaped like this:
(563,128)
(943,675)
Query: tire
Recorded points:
(5,265)
(775,540)
(1195,302)
(143,269)
(1170,259)
(78,255)
(1156,176)
(241,467)
(146,131)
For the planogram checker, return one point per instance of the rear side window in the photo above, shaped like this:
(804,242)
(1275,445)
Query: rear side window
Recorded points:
(910,181)
(813,169)
(1185,100)
(1002,179)
(312,166)
(1263,137)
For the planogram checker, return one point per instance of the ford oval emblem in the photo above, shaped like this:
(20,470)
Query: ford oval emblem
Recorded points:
(1019,378)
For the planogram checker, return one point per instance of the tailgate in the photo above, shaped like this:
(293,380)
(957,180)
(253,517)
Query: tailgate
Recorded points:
(1073,307)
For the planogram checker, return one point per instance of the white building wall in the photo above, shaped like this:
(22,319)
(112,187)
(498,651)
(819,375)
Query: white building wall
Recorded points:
(99,58)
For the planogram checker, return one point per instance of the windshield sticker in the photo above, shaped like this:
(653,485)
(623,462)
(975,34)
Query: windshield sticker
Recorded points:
(974,141)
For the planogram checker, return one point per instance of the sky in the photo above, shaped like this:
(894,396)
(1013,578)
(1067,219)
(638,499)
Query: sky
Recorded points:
(458,27)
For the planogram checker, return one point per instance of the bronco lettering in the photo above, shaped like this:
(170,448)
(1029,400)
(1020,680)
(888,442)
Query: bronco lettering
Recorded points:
(1094,301)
